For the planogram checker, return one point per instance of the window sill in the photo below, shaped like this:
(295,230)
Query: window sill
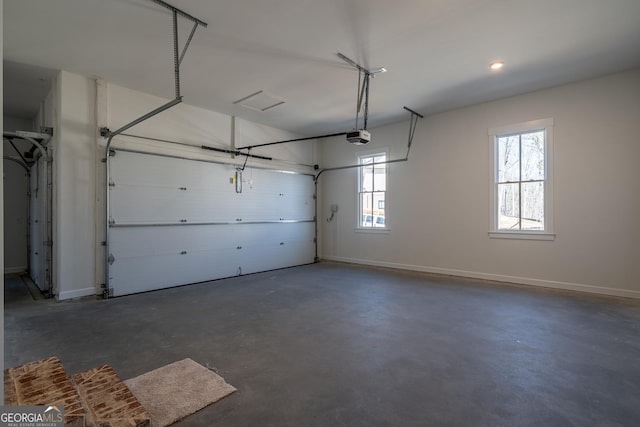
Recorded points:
(372,230)
(531,235)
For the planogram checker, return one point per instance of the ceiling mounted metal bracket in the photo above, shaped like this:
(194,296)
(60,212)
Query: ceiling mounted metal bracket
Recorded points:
(360,67)
(180,12)
(364,75)
(177,55)
(177,60)
(413,122)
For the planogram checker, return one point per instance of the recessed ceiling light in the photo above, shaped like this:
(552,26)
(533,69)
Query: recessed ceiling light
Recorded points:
(496,65)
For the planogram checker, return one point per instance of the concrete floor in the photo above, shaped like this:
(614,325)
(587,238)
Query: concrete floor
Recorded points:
(340,345)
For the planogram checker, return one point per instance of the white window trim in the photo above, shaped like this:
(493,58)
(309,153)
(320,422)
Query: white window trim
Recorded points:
(372,230)
(359,228)
(548,232)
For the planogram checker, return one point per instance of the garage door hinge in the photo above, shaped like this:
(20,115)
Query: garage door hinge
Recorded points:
(112,183)
(112,153)
(112,221)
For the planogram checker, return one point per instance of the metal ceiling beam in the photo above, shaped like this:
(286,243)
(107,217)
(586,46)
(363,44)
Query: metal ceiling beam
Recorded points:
(249,147)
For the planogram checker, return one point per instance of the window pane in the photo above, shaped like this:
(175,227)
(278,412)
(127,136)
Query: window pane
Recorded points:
(521,185)
(379,178)
(378,213)
(372,190)
(508,158)
(366,203)
(366,178)
(508,207)
(366,160)
(533,206)
(533,156)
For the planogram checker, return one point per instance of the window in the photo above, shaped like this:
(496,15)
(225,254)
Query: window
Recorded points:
(372,188)
(521,180)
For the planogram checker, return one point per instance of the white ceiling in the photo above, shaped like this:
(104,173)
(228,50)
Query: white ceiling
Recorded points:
(437,52)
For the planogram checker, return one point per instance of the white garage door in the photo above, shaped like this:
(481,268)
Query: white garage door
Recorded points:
(176,221)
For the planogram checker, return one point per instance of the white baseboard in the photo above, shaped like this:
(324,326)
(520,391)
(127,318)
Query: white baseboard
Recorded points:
(494,277)
(13,270)
(77,293)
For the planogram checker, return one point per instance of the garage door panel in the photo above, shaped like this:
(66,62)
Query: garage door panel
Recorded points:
(167,206)
(133,241)
(148,260)
(294,251)
(176,221)
(266,195)
(147,273)
(149,170)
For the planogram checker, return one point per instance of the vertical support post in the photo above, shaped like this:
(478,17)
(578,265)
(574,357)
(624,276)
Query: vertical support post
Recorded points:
(232,136)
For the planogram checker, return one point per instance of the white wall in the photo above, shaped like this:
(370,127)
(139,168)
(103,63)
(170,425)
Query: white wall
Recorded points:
(438,207)
(83,106)
(194,126)
(74,166)
(438,202)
